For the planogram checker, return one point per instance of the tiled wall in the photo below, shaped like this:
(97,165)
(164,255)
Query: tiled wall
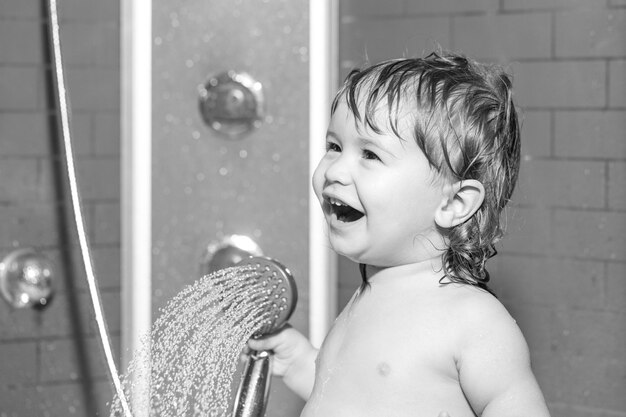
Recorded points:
(561,270)
(51,363)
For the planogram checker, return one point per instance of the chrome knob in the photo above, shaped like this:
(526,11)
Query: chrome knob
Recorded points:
(26,278)
(231,103)
(228,252)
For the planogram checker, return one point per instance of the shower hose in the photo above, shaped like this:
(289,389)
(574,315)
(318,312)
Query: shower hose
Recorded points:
(65,127)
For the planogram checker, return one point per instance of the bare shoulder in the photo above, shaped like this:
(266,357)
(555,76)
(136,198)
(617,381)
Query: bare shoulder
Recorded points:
(478,322)
(478,310)
(493,359)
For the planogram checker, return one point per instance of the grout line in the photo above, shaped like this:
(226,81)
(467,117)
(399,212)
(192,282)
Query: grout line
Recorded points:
(553,35)
(553,133)
(607,179)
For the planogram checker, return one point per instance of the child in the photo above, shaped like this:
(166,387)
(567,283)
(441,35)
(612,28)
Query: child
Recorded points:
(422,157)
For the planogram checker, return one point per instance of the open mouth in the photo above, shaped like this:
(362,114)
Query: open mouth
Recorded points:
(344,212)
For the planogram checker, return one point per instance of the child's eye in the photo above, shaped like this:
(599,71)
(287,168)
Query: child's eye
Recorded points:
(370,155)
(332,147)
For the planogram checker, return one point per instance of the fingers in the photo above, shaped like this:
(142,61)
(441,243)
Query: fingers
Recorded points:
(262,344)
(245,353)
(271,341)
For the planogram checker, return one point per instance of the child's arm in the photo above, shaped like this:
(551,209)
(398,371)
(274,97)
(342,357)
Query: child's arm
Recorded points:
(494,366)
(294,359)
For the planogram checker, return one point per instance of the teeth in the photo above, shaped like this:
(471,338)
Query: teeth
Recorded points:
(343,212)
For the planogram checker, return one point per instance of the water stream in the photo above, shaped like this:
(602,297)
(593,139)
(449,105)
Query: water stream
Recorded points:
(187,363)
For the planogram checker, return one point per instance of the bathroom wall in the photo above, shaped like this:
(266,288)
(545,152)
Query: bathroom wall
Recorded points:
(51,362)
(561,270)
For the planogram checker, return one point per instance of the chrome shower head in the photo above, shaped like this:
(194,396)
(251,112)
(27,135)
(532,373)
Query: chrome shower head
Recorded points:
(279,297)
(280,292)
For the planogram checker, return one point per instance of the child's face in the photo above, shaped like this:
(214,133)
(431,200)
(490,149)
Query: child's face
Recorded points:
(378,193)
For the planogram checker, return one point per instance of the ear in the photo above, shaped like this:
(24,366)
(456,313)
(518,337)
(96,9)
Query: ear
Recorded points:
(463,199)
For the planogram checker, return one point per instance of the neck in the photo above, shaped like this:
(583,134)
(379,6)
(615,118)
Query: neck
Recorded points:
(425,271)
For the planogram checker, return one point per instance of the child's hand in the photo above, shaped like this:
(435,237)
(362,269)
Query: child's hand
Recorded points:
(288,346)
(294,358)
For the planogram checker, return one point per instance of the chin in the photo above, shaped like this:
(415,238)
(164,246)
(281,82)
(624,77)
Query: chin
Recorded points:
(341,248)
(374,261)
(357,258)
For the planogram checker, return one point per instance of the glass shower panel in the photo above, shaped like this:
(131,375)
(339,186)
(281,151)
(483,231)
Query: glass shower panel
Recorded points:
(208,184)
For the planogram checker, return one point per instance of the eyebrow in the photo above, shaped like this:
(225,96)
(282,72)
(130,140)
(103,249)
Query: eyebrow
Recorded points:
(369,141)
(332,134)
(364,141)
(377,144)
(361,139)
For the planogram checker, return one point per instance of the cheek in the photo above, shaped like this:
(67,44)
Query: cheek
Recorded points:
(422,204)
(386,192)
(318,179)
(404,202)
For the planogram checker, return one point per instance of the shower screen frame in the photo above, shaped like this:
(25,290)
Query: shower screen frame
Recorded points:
(136,145)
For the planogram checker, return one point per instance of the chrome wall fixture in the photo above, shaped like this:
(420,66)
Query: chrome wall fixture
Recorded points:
(26,279)
(228,252)
(231,103)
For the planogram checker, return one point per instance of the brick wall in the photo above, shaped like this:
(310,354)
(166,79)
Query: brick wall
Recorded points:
(561,270)
(51,362)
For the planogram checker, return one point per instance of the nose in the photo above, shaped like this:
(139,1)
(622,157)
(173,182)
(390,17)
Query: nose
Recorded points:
(338,170)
